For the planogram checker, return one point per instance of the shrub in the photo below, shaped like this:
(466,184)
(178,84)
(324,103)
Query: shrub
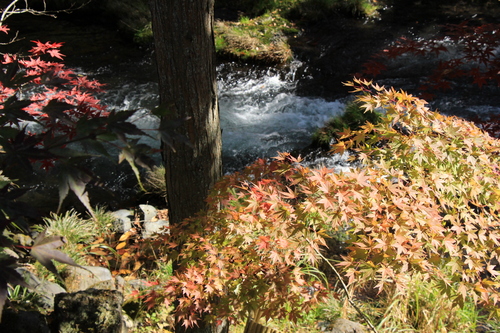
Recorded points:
(424,204)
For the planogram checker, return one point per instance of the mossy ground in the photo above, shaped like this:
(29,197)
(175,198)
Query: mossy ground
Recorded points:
(262,39)
(264,27)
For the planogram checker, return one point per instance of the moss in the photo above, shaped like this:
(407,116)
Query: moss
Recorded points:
(260,39)
(264,26)
(353,118)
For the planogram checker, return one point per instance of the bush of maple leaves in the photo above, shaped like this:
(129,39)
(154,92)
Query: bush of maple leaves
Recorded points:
(45,109)
(424,201)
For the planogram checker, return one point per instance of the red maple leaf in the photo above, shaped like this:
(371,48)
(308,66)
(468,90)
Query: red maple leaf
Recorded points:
(263,242)
(44,47)
(4,29)
(55,53)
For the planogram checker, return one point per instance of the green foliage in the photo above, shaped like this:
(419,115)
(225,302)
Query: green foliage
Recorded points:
(103,221)
(423,308)
(312,10)
(261,33)
(21,298)
(144,35)
(352,118)
(423,205)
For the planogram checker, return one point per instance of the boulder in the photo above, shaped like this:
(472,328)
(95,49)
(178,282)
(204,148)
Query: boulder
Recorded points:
(92,310)
(85,277)
(341,325)
(123,221)
(151,224)
(156,227)
(46,290)
(149,212)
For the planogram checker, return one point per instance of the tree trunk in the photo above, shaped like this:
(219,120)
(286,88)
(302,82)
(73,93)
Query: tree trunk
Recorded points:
(185,53)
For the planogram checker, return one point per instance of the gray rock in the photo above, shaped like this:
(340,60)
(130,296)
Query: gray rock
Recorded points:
(128,323)
(120,284)
(341,325)
(77,279)
(149,212)
(46,290)
(123,221)
(157,227)
(137,284)
(91,310)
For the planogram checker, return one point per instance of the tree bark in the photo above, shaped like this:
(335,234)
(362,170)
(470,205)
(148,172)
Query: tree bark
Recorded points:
(185,53)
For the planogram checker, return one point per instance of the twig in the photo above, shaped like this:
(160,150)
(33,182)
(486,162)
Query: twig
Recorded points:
(347,293)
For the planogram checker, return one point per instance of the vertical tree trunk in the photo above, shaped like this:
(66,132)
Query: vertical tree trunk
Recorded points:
(185,53)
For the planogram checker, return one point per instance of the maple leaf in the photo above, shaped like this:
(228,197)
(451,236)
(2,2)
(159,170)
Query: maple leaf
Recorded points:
(480,80)
(374,68)
(55,53)
(5,29)
(44,250)
(44,47)
(263,242)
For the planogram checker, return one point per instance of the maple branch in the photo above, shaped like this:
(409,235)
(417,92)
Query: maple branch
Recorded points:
(344,287)
(11,9)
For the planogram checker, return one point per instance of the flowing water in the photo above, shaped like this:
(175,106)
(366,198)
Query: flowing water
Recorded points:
(260,111)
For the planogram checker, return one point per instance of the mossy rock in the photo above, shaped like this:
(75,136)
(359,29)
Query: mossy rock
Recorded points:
(262,39)
(353,118)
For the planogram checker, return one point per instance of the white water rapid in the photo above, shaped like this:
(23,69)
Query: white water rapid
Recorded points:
(260,112)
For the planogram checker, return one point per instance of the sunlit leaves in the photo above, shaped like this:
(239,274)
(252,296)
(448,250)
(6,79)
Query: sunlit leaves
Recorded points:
(424,202)
(451,169)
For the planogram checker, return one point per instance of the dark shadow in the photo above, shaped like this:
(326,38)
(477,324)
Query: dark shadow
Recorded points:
(336,46)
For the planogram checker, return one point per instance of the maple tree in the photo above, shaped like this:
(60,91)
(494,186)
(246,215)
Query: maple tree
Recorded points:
(404,207)
(45,110)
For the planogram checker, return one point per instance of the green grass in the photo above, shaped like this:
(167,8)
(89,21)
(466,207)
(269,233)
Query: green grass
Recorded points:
(155,179)
(423,309)
(70,226)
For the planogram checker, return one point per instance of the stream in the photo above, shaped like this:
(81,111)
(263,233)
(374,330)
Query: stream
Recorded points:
(261,114)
